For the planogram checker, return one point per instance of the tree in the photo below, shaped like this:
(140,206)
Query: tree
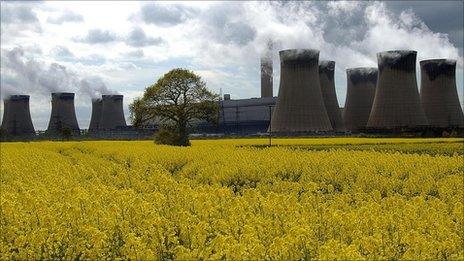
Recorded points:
(175,101)
(66,132)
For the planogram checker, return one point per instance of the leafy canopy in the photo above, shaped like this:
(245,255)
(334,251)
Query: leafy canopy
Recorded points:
(176,99)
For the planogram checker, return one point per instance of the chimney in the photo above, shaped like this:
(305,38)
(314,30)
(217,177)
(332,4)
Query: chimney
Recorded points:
(326,77)
(299,107)
(360,94)
(112,114)
(63,113)
(17,116)
(266,72)
(96,115)
(396,102)
(439,97)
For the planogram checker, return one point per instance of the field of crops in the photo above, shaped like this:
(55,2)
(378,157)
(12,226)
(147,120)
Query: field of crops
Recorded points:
(344,198)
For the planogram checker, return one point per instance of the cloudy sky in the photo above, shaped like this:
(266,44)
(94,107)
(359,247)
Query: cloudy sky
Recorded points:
(92,48)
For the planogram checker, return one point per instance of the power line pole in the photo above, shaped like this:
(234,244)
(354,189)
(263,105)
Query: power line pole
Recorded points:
(270,125)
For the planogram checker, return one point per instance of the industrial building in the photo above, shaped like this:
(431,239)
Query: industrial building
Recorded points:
(243,116)
(329,95)
(397,103)
(63,113)
(17,116)
(246,116)
(300,106)
(439,97)
(360,93)
(96,114)
(112,113)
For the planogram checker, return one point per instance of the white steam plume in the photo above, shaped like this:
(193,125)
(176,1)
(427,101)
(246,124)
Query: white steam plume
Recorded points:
(26,75)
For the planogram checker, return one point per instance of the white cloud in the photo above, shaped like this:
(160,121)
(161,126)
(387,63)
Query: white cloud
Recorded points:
(66,16)
(163,14)
(138,38)
(97,36)
(61,52)
(338,7)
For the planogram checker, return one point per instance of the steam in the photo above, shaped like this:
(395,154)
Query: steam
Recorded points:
(362,74)
(26,75)
(350,33)
(266,59)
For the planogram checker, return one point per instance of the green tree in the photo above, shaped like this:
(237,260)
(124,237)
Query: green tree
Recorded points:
(66,132)
(174,102)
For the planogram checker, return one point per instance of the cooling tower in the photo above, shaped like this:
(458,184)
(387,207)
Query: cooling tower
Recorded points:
(299,106)
(17,116)
(396,102)
(266,76)
(438,93)
(326,77)
(112,114)
(96,115)
(63,113)
(359,97)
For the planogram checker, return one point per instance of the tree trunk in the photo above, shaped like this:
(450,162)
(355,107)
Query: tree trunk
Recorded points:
(182,132)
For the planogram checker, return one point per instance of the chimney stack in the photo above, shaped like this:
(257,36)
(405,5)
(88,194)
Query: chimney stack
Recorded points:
(300,106)
(63,113)
(361,84)
(266,72)
(397,102)
(439,97)
(112,114)
(96,114)
(326,77)
(17,116)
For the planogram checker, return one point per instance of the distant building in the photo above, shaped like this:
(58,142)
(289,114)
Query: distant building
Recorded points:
(241,116)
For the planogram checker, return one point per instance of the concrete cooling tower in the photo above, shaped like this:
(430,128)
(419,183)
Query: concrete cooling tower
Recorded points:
(112,113)
(438,93)
(266,76)
(396,102)
(359,97)
(326,77)
(96,114)
(17,116)
(299,107)
(63,113)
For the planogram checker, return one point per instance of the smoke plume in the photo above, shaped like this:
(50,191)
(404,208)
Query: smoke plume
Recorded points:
(22,74)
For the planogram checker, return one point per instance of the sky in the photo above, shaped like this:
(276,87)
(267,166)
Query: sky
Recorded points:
(94,48)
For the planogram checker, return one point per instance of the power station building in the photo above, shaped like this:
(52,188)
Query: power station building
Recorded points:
(300,106)
(438,93)
(245,116)
(360,94)
(329,95)
(63,113)
(397,103)
(17,116)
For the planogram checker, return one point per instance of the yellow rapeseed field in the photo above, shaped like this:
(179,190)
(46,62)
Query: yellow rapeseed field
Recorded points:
(341,198)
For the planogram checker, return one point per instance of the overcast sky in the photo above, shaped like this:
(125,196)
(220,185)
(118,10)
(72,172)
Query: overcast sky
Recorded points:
(122,47)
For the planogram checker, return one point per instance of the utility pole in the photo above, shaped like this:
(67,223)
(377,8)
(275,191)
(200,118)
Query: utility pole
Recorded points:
(270,125)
